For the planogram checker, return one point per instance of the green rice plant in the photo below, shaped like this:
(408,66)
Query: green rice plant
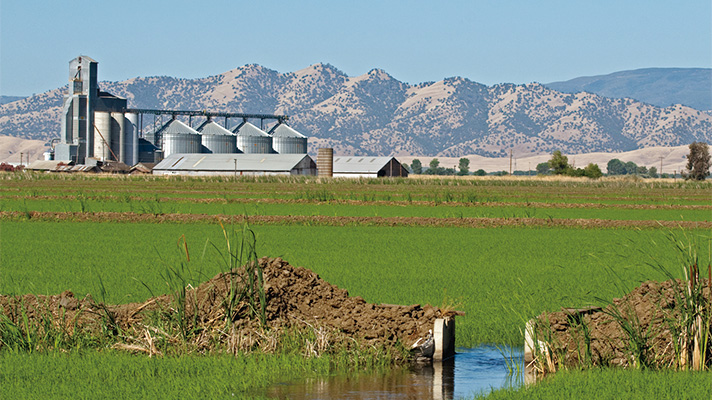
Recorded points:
(638,338)
(179,280)
(692,321)
(109,324)
(243,275)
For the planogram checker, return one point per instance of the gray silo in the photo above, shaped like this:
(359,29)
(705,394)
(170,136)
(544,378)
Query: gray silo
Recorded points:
(216,139)
(252,140)
(131,148)
(118,141)
(285,140)
(179,138)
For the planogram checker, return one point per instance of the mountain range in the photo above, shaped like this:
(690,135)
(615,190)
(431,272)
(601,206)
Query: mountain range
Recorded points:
(660,87)
(375,114)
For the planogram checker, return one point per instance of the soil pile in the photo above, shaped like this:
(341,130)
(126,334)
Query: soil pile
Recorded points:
(644,328)
(294,297)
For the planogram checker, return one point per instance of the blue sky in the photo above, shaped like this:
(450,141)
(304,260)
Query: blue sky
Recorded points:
(415,41)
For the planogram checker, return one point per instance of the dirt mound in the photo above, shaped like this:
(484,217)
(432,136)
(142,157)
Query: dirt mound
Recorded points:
(652,326)
(294,297)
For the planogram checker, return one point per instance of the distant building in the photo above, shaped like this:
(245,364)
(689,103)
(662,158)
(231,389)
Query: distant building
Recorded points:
(367,167)
(236,164)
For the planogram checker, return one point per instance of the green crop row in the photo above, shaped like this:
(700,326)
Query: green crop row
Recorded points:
(152,206)
(614,384)
(412,189)
(500,277)
(106,375)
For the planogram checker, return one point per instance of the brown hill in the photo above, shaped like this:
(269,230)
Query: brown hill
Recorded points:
(375,114)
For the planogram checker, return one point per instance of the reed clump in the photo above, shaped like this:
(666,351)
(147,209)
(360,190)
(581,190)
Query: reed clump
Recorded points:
(657,325)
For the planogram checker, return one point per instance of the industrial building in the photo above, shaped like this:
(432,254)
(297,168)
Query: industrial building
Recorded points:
(98,130)
(367,167)
(236,164)
(99,126)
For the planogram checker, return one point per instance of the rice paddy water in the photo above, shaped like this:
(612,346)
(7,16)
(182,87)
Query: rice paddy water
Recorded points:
(470,372)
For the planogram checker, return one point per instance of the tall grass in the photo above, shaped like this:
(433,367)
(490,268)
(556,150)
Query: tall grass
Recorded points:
(693,299)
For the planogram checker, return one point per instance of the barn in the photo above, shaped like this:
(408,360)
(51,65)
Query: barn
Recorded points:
(236,164)
(367,167)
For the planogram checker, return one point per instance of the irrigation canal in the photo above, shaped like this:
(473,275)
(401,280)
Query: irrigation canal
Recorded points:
(471,371)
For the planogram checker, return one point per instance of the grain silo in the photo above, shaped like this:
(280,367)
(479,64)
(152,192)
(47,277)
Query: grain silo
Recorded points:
(252,140)
(285,140)
(216,139)
(179,138)
(131,149)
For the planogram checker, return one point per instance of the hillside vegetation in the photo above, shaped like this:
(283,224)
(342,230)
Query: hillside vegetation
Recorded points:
(375,114)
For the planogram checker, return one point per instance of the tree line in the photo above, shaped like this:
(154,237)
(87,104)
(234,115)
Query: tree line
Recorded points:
(698,165)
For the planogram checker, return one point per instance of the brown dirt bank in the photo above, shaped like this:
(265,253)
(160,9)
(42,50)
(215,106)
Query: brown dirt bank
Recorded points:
(295,297)
(644,328)
(322,220)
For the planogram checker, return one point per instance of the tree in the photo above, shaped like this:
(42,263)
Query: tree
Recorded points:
(464,166)
(641,170)
(592,171)
(434,167)
(480,172)
(616,167)
(543,168)
(653,172)
(630,168)
(698,161)
(416,167)
(559,162)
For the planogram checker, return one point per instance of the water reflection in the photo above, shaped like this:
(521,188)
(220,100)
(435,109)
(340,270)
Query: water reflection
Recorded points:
(470,372)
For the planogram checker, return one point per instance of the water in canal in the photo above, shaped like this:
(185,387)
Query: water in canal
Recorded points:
(470,372)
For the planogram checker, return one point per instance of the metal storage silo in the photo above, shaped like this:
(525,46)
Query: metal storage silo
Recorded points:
(117,136)
(102,135)
(217,139)
(253,140)
(131,139)
(285,140)
(179,138)
(325,162)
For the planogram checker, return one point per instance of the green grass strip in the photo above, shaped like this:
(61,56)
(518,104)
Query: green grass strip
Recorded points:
(614,384)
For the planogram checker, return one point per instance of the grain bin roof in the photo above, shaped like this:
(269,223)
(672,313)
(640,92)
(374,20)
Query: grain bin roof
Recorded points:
(212,128)
(284,130)
(247,129)
(359,165)
(226,162)
(175,126)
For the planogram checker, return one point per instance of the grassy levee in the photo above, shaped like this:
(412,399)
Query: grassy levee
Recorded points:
(500,276)
(105,375)
(614,384)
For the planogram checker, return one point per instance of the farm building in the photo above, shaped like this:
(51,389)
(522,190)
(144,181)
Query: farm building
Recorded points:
(236,164)
(367,167)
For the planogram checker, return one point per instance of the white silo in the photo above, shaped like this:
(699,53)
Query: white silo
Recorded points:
(286,140)
(179,138)
(216,139)
(252,140)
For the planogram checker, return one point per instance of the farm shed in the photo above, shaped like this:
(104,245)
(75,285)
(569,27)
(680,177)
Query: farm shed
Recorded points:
(236,164)
(47,165)
(142,168)
(367,167)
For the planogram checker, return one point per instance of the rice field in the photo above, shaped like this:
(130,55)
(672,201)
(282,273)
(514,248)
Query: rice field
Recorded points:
(500,275)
